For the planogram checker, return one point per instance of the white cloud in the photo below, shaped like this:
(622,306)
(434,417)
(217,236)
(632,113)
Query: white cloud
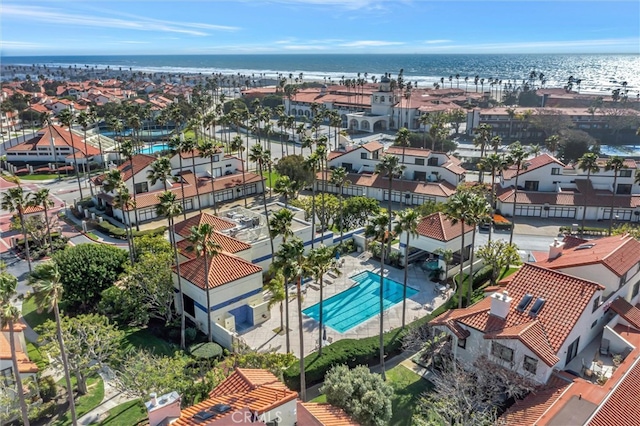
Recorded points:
(371,43)
(304,47)
(437,41)
(133,22)
(9,44)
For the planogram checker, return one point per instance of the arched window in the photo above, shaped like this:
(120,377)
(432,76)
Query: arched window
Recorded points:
(354,124)
(365,125)
(306,113)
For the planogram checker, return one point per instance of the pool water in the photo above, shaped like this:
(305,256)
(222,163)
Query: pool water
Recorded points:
(152,149)
(361,302)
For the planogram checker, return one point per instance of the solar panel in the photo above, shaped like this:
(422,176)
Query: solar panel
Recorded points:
(203,415)
(526,299)
(537,306)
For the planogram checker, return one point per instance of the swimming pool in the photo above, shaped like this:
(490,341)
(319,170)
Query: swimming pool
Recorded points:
(361,302)
(152,149)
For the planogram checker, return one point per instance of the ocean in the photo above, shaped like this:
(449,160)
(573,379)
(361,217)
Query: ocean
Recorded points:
(599,73)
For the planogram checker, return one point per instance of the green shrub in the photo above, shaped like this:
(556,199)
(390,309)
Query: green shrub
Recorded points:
(481,276)
(155,231)
(190,334)
(48,389)
(109,229)
(207,350)
(46,410)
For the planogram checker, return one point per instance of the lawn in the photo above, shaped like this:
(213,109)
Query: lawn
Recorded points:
(508,272)
(36,356)
(271,178)
(143,338)
(407,387)
(39,177)
(130,413)
(84,403)
(31,315)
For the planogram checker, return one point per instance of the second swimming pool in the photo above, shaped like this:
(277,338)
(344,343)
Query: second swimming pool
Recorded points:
(361,302)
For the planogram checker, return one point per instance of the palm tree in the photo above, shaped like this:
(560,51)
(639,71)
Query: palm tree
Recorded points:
(15,200)
(261,157)
(41,198)
(291,260)
(456,209)
(517,155)
(402,139)
(320,261)
(84,121)
(127,149)
(9,315)
(616,164)
(477,211)
(378,229)
(124,201)
(447,257)
(66,118)
(588,163)
(280,224)
(203,245)
(312,163)
(493,163)
(285,188)
(389,166)
(210,149)
(552,143)
(47,293)
(177,148)
(170,208)
(483,135)
(407,223)
(339,179)
(190,146)
(278,295)
(160,170)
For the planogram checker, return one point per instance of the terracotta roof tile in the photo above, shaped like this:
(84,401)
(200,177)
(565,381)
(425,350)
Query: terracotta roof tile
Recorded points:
(61,137)
(322,415)
(223,269)
(439,227)
(415,152)
(527,411)
(621,407)
(24,364)
(435,189)
(626,310)
(245,379)
(226,243)
(566,297)
(619,253)
(532,164)
(219,224)
(373,146)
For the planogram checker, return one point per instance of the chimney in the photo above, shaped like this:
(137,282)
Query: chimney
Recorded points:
(555,249)
(500,304)
(163,409)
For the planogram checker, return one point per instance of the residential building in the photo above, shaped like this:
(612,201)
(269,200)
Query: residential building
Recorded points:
(207,188)
(427,176)
(26,367)
(549,188)
(247,396)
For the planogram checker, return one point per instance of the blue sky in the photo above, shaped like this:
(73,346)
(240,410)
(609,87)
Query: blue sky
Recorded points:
(91,27)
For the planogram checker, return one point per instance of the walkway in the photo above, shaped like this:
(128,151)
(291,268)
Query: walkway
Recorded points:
(112,398)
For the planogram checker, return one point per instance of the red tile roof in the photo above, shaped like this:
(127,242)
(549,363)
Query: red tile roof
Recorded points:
(626,310)
(435,189)
(226,243)
(223,269)
(619,253)
(314,414)
(531,164)
(621,407)
(219,224)
(24,364)
(567,297)
(439,227)
(415,152)
(373,146)
(60,136)
(527,411)
(246,379)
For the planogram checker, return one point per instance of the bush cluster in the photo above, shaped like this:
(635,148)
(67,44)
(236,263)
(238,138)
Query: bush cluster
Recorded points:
(116,232)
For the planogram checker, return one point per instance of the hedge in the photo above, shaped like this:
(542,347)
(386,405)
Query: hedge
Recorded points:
(20,241)
(117,232)
(352,352)
(588,230)
(484,274)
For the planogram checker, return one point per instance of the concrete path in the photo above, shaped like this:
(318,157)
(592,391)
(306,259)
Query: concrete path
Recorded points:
(112,398)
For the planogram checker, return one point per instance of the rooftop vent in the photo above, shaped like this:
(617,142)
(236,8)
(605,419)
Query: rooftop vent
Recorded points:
(537,307)
(585,246)
(526,299)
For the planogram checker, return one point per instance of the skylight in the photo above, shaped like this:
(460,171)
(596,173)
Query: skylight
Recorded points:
(585,246)
(203,415)
(526,299)
(537,306)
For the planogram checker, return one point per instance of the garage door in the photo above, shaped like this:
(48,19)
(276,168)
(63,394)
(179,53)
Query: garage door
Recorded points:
(567,212)
(622,214)
(529,211)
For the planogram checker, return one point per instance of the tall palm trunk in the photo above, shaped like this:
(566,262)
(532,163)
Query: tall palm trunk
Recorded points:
(26,238)
(303,382)
(613,201)
(65,366)
(584,205)
(381,342)
(16,372)
(321,317)
(195,179)
(515,203)
(46,220)
(129,234)
(313,208)
(133,182)
(470,289)
(404,287)
(213,190)
(75,163)
(206,285)
(172,239)
(286,308)
(461,275)
(184,202)
(266,212)
(244,180)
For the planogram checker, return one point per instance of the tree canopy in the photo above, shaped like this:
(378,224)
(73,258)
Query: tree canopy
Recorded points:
(294,167)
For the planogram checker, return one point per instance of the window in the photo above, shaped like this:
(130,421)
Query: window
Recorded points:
(593,324)
(433,161)
(420,176)
(363,155)
(531,185)
(419,161)
(142,187)
(596,304)
(381,98)
(462,343)
(189,305)
(636,287)
(530,364)
(502,352)
(216,158)
(146,214)
(623,188)
(6,376)
(348,167)
(623,279)
(555,171)
(625,173)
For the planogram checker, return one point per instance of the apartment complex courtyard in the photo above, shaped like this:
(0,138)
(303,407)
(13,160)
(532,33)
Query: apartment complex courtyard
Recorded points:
(429,295)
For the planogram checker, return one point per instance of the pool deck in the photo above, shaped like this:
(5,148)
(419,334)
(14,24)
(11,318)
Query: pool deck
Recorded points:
(263,338)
